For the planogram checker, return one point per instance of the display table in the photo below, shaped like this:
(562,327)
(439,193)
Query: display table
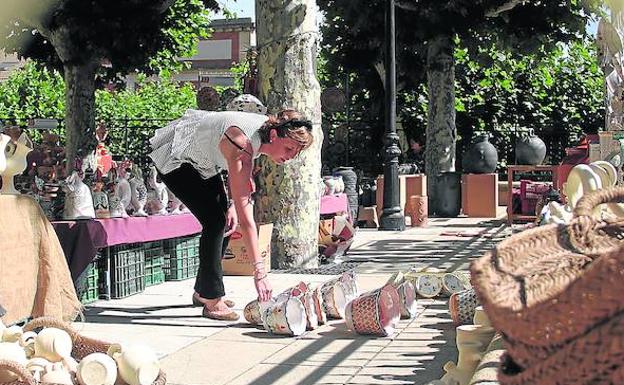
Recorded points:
(333,204)
(81,239)
(35,280)
(510,176)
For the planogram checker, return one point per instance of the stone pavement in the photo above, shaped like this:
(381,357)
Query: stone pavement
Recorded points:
(194,350)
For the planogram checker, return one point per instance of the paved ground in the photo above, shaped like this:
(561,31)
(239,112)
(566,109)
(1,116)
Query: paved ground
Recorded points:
(194,350)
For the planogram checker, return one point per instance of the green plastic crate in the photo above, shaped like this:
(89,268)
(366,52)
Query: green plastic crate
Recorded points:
(181,258)
(86,285)
(154,261)
(127,270)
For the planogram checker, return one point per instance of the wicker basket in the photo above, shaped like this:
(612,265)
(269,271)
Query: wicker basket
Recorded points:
(547,286)
(82,346)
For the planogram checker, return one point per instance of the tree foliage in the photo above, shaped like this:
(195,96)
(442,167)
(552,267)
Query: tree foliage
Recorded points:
(484,39)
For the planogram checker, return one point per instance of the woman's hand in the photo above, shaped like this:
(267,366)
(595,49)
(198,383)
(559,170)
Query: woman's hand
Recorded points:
(231,221)
(263,287)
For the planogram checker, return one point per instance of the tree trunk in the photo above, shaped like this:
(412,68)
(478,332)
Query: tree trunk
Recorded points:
(79,111)
(79,76)
(441,130)
(289,195)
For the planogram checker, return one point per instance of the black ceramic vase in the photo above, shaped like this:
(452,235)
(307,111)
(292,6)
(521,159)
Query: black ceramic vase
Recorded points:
(481,157)
(448,194)
(530,150)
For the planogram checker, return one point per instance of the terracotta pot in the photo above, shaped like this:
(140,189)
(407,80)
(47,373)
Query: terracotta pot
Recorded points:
(374,313)
(417,210)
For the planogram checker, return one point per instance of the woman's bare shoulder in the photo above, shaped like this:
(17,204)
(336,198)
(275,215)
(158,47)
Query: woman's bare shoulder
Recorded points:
(235,144)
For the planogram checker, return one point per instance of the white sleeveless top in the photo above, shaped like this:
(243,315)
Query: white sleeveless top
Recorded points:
(195,138)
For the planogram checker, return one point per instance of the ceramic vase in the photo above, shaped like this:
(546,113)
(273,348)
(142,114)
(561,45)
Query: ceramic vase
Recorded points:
(56,373)
(330,182)
(374,313)
(462,306)
(124,192)
(287,316)
(139,195)
(481,156)
(303,292)
(101,203)
(13,160)
(174,204)
(417,210)
(137,364)
(158,197)
(530,149)
(254,311)
(318,306)
(78,199)
(53,344)
(470,347)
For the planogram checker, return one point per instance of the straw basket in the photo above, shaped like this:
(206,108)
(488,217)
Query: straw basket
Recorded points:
(82,346)
(546,287)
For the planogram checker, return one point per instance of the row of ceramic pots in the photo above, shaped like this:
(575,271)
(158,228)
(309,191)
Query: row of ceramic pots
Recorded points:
(47,357)
(301,308)
(431,283)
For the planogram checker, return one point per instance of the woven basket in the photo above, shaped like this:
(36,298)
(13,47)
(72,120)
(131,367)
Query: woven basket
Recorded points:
(82,346)
(544,287)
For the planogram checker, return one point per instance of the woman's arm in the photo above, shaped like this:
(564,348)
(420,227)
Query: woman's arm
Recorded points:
(240,164)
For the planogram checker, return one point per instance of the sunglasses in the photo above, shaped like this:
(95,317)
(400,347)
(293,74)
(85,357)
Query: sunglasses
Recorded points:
(296,123)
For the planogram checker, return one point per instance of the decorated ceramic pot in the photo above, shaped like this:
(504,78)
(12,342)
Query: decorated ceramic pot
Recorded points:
(318,306)
(407,295)
(374,313)
(287,316)
(337,293)
(462,306)
(303,292)
(452,283)
(407,300)
(255,309)
(428,285)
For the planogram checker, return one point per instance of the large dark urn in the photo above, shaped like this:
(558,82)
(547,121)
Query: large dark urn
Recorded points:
(448,194)
(481,157)
(349,178)
(369,194)
(530,149)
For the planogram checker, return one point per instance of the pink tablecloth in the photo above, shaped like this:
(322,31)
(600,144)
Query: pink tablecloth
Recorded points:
(332,204)
(81,239)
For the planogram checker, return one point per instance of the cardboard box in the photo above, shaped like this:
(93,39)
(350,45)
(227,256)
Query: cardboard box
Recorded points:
(237,261)
(480,195)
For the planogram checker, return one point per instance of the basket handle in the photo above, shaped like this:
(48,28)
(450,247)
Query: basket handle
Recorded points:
(50,322)
(588,202)
(18,369)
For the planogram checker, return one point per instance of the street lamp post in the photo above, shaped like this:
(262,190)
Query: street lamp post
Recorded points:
(391,218)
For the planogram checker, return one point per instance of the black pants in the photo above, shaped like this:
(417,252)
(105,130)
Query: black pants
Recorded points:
(207,200)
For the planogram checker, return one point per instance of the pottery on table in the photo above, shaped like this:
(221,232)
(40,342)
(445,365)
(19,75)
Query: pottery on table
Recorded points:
(174,206)
(123,191)
(481,156)
(100,201)
(330,182)
(158,197)
(78,199)
(462,306)
(530,149)
(287,316)
(53,344)
(97,369)
(139,193)
(374,313)
(137,364)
